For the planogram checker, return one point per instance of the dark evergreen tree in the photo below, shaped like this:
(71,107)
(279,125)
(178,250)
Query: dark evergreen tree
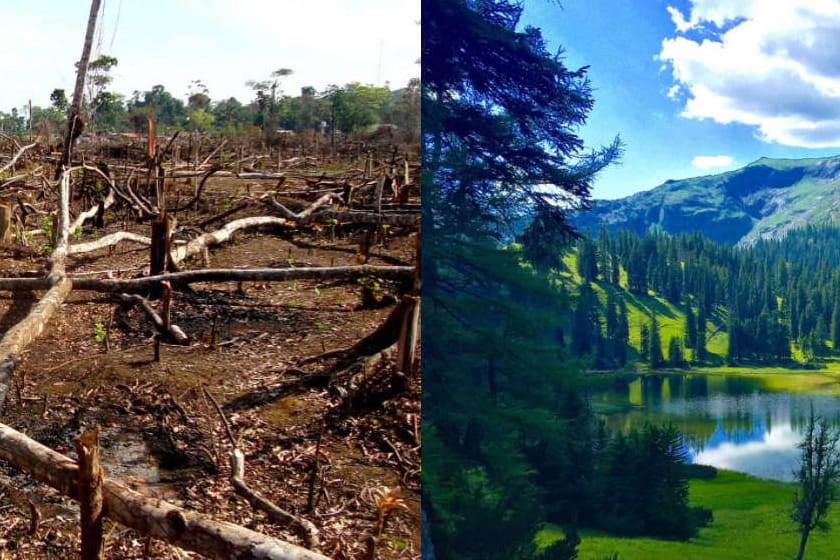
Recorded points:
(700,345)
(587,260)
(690,327)
(499,116)
(676,358)
(622,334)
(656,358)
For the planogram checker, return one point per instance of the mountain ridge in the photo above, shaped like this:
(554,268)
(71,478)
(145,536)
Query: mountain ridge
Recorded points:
(764,199)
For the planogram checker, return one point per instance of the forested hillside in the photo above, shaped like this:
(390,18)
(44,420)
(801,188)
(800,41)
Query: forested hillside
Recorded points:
(674,300)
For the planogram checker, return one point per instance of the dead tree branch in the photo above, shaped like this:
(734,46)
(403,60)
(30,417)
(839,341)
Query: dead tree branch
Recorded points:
(16,157)
(237,478)
(173,331)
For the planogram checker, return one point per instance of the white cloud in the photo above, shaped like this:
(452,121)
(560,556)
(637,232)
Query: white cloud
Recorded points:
(679,19)
(705,162)
(774,456)
(772,69)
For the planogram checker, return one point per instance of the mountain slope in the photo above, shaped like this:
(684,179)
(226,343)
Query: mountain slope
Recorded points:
(763,199)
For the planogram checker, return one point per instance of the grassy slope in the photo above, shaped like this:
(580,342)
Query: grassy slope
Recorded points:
(671,319)
(751,521)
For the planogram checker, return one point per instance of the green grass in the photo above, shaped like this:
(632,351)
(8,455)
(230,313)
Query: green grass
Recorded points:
(751,520)
(670,318)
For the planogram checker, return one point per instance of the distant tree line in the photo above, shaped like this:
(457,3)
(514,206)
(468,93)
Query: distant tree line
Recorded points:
(344,109)
(771,298)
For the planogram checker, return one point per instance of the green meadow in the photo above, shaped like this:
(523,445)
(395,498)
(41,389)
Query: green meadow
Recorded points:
(751,521)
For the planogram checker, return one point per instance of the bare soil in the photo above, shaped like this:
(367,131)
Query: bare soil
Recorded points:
(160,432)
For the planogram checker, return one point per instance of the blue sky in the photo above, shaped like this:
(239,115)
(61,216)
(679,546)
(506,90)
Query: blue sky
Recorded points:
(223,43)
(696,87)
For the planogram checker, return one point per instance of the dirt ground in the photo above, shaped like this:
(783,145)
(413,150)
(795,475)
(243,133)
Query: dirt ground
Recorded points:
(162,435)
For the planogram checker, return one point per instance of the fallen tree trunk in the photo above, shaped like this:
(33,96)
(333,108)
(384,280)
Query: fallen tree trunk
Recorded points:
(23,333)
(107,241)
(139,285)
(150,516)
(348,217)
(27,284)
(221,235)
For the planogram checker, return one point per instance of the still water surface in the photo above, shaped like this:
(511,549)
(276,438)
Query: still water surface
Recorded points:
(741,423)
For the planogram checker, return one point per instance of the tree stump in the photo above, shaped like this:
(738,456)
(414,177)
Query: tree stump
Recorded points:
(5,224)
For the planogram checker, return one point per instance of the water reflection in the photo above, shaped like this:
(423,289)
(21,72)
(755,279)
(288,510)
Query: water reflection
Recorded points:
(737,423)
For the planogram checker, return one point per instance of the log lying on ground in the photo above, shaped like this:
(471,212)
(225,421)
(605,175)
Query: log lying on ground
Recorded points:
(23,333)
(107,241)
(24,284)
(140,285)
(221,235)
(150,516)
(349,217)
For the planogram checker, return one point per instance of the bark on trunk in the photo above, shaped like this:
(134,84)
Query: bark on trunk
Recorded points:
(90,495)
(800,554)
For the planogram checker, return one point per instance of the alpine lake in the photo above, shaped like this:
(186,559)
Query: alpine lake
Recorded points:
(744,422)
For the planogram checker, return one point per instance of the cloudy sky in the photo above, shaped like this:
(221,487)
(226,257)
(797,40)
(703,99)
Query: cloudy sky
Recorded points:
(223,43)
(701,86)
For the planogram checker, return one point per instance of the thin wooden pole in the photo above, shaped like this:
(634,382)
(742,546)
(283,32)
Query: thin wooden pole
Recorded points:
(74,121)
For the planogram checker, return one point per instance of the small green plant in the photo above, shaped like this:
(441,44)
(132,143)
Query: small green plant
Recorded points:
(295,286)
(318,290)
(46,226)
(99,332)
(320,326)
(375,284)
(77,232)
